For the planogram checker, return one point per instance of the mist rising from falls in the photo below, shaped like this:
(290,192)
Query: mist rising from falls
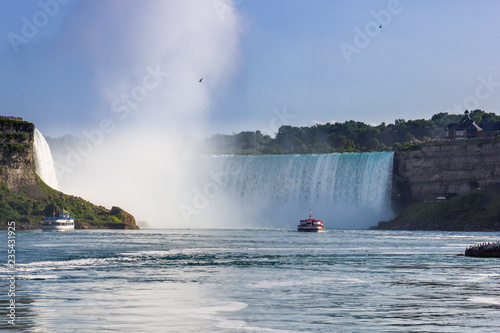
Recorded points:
(346,191)
(44,165)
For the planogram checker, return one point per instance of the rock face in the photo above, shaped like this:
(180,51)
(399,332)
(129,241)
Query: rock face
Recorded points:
(444,170)
(484,250)
(128,221)
(16,153)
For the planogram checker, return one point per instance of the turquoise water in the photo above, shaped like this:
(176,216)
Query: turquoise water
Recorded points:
(251,281)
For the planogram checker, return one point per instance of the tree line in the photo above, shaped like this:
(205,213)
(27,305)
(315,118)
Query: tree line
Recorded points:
(350,136)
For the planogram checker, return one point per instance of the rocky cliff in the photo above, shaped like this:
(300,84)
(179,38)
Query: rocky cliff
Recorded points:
(444,170)
(16,153)
(25,198)
(447,186)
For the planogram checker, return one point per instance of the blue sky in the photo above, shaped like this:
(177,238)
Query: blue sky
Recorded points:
(424,60)
(262,59)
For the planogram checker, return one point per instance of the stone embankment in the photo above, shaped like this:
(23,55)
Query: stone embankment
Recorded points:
(484,250)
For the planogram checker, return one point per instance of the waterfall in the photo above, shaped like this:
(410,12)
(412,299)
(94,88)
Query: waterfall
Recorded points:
(44,165)
(346,191)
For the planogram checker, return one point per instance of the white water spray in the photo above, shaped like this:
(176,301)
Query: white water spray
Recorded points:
(347,191)
(44,164)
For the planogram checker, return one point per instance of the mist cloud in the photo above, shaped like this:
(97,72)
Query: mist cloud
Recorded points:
(144,61)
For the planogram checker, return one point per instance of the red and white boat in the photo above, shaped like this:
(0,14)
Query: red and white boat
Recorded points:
(311,224)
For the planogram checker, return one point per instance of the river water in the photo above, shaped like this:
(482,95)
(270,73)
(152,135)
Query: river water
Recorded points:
(250,281)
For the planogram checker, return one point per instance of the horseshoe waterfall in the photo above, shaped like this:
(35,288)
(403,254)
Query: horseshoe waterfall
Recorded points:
(346,191)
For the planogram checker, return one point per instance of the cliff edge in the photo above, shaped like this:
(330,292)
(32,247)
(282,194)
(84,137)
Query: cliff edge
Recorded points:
(16,153)
(25,198)
(444,169)
(451,186)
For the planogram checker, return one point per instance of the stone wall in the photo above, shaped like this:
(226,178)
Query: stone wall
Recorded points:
(445,169)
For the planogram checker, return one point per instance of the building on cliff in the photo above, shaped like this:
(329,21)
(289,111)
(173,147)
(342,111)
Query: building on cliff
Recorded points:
(493,129)
(466,128)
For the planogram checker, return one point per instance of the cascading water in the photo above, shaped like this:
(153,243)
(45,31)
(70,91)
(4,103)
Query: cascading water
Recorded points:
(44,165)
(346,191)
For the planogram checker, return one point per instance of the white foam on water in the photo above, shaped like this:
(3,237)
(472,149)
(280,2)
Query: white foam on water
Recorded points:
(49,265)
(485,300)
(233,306)
(207,310)
(291,283)
(148,253)
(242,326)
(35,277)
(175,252)
(477,277)
(274,284)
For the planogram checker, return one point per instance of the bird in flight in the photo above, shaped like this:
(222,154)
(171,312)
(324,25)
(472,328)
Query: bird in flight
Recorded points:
(380,26)
(201,80)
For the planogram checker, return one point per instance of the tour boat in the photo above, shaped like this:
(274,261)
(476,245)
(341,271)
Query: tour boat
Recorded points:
(311,224)
(62,223)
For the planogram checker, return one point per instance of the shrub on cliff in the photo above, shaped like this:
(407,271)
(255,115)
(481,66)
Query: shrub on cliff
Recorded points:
(408,146)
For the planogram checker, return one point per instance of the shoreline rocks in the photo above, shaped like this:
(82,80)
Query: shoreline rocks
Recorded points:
(490,250)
